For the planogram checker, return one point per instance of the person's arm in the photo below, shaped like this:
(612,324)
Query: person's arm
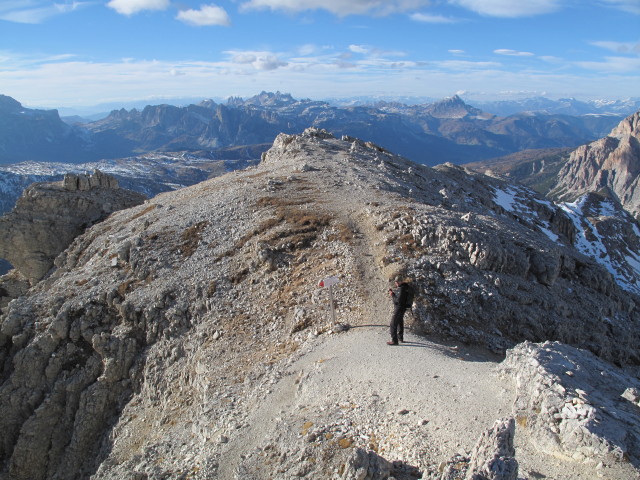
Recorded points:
(394,297)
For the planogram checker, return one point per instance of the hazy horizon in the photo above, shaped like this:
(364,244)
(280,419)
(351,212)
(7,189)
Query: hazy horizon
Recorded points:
(76,53)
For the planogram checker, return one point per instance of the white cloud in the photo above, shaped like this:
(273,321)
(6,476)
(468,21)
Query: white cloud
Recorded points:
(206,16)
(244,58)
(512,53)
(427,18)
(75,83)
(631,6)
(466,65)
(613,64)
(457,52)
(552,59)
(268,62)
(36,11)
(509,8)
(309,49)
(11,61)
(339,7)
(129,7)
(619,47)
(359,49)
(322,71)
(264,61)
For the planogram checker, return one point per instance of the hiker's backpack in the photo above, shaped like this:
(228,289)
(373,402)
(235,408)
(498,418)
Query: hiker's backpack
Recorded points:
(410,295)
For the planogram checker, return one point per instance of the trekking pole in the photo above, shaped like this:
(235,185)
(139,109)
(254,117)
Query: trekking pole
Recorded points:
(332,303)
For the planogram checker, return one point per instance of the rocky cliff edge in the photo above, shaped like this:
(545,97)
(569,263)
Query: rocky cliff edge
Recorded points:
(49,216)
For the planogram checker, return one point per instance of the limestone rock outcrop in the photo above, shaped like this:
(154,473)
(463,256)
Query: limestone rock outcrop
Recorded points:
(610,165)
(366,465)
(494,455)
(49,216)
(573,404)
(492,458)
(12,285)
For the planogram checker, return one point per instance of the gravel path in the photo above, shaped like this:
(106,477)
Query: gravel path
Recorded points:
(417,404)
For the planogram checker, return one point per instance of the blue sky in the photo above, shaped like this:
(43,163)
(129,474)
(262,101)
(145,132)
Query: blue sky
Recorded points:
(66,53)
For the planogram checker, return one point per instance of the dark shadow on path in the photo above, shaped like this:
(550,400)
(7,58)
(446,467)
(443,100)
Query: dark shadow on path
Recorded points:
(468,353)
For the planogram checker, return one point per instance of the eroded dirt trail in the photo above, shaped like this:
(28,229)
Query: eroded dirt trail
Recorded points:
(410,403)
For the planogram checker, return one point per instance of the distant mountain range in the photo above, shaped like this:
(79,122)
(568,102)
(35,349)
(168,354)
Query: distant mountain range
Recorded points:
(563,106)
(446,131)
(566,106)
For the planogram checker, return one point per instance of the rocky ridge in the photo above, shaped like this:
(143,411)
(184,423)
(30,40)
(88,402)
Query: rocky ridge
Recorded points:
(186,337)
(610,165)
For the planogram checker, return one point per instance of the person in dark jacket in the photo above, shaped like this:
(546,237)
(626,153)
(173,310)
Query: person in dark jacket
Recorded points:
(401,301)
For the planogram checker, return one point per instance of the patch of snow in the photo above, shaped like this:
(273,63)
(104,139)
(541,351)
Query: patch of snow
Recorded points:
(546,203)
(552,236)
(518,200)
(607,209)
(625,270)
(505,198)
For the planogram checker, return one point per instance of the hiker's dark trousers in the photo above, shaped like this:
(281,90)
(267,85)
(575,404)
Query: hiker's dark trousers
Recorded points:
(397,324)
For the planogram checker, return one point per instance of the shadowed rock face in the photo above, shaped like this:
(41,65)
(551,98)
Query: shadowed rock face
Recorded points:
(611,164)
(49,216)
(164,324)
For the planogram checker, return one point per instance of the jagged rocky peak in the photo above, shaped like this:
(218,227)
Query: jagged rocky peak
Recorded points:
(629,127)
(48,216)
(122,114)
(454,107)
(208,103)
(167,337)
(611,163)
(270,99)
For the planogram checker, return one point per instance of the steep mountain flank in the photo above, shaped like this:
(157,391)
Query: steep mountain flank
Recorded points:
(611,164)
(28,134)
(187,337)
(49,216)
(537,169)
(195,127)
